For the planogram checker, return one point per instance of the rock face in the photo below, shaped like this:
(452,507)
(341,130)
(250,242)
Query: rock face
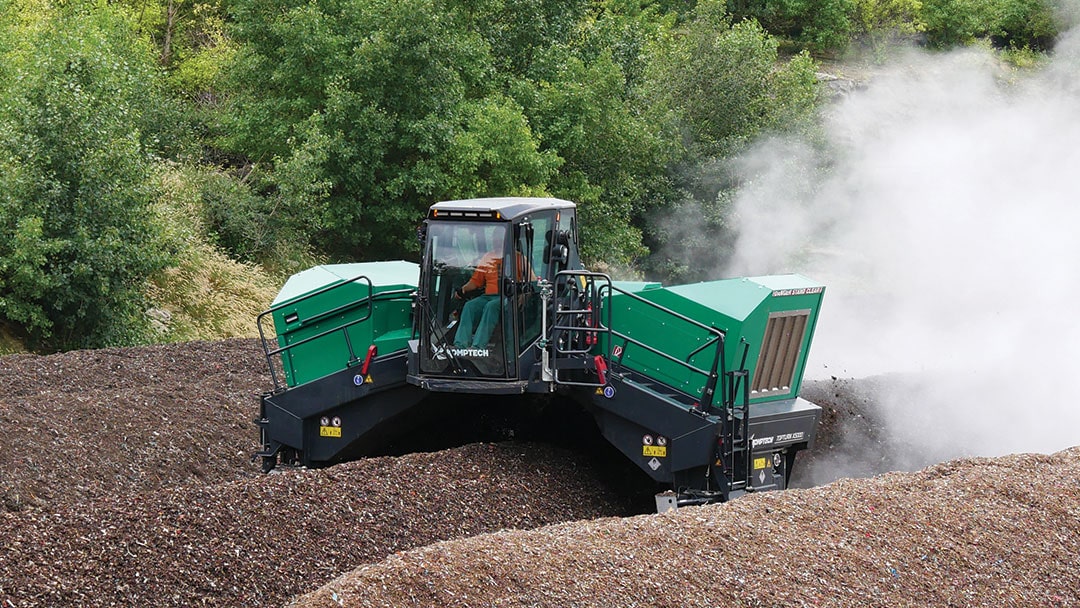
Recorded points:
(126,480)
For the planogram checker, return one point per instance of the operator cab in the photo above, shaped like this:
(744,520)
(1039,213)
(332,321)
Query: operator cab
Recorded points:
(478,306)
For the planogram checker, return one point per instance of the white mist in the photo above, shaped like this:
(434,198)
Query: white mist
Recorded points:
(944,219)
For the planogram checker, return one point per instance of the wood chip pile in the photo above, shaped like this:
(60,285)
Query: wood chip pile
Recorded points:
(95,423)
(973,532)
(257,542)
(126,480)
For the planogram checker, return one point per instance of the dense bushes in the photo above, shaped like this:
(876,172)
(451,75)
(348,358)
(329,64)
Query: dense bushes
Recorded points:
(78,100)
(1007,23)
(145,145)
(834,25)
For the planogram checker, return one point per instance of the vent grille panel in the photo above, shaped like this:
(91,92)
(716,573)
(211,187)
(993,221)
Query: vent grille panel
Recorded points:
(780,351)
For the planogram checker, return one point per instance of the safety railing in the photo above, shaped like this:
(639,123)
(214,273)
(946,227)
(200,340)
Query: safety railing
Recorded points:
(597,313)
(353,359)
(574,331)
(593,315)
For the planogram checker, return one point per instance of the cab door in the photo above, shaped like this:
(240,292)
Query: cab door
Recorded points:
(531,264)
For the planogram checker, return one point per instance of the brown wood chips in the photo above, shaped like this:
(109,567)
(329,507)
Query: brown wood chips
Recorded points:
(126,480)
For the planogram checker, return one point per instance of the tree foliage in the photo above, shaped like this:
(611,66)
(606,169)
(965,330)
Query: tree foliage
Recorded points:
(361,105)
(878,23)
(817,24)
(613,158)
(724,85)
(727,85)
(77,240)
(287,131)
(1007,23)
(831,26)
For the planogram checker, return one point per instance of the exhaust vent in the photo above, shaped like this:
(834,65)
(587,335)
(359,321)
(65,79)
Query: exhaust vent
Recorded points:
(779,352)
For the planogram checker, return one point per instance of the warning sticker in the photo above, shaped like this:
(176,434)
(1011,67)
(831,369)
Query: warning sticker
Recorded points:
(654,450)
(330,431)
(760,463)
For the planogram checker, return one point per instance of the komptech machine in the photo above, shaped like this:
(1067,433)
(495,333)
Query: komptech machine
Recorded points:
(696,384)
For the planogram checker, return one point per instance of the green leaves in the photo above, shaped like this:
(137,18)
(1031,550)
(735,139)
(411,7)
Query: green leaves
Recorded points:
(1007,23)
(496,153)
(366,112)
(611,154)
(76,241)
(819,25)
(727,85)
(24,276)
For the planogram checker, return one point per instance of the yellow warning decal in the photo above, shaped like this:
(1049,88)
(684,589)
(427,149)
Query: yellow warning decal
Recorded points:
(599,391)
(368,380)
(760,463)
(654,450)
(330,431)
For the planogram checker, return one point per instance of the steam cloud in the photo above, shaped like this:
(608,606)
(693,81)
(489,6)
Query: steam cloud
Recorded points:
(944,218)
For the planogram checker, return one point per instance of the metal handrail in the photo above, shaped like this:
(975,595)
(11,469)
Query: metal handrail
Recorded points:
(711,376)
(604,326)
(367,300)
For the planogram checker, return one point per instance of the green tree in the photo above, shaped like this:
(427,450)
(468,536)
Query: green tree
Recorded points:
(1024,24)
(518,30)
(819,25)
(77,241)
(722,86)
(496,153)
(614,158)
(727,85)
(955,22)
(878,23)
(371,111)
(1016,24)
(582,95)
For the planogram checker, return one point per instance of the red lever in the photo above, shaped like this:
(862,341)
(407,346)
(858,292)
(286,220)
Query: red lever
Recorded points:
(601,368)
(367,360)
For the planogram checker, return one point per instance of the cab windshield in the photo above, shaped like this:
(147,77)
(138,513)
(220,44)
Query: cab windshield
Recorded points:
(463,309)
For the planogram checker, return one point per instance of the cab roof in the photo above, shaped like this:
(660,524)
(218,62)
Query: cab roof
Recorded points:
(504,208)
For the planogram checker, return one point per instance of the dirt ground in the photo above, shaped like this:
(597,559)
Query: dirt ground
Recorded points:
(126,480)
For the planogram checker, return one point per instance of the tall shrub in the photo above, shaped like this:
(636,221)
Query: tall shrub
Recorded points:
(77,242)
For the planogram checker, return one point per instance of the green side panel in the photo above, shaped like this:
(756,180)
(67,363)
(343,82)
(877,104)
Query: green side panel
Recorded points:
(743,309)
(326,317)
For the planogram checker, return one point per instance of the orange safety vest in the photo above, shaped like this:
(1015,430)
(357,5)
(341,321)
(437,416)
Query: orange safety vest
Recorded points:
(488,270)
(486,275)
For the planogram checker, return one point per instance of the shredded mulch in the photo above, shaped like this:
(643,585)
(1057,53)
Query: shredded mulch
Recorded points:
(92,424)
(126,480)
(973,532)
(257,542)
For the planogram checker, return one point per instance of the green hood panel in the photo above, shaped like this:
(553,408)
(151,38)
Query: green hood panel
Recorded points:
(351,306)
(774,315)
